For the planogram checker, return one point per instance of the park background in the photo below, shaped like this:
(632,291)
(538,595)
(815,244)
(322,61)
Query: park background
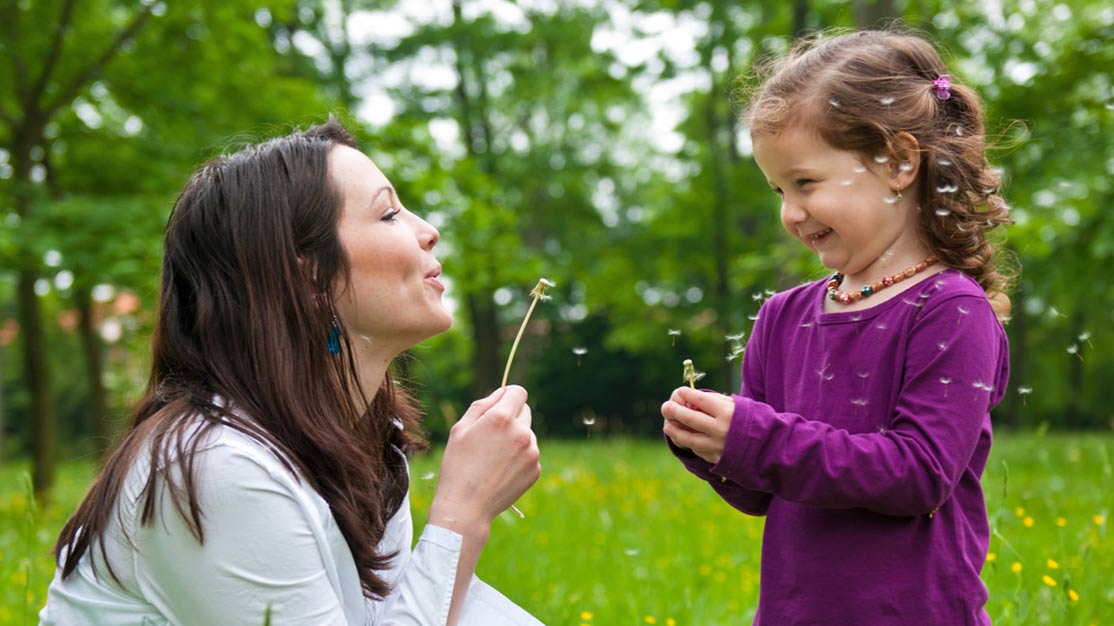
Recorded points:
(592,142)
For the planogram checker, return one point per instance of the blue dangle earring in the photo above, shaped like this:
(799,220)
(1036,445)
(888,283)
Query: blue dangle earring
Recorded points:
(334,337)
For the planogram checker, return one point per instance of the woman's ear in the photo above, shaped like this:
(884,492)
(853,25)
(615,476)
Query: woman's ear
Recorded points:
(906,161)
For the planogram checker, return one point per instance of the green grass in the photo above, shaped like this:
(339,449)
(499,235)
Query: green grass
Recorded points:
(617,533)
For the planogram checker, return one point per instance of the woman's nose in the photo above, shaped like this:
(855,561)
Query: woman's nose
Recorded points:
(427,234)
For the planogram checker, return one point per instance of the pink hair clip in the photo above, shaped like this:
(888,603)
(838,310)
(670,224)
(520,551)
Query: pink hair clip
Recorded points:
(942,87)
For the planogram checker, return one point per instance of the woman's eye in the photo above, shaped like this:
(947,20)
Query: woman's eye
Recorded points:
(391,216)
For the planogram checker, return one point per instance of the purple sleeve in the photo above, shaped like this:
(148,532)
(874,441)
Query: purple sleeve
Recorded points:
(749,501)
(912,467)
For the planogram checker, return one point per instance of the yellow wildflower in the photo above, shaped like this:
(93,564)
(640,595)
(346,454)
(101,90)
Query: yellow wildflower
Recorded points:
(1053,564)
(1048,580)
(1061,522)
(1016,567)
(1028,521)
(1020,512)
(669,621)
(990,556)
(1099,520)
(586,616)
(1073,595)
(650,619)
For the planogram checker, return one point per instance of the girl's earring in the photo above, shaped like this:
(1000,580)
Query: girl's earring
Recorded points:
(334,337)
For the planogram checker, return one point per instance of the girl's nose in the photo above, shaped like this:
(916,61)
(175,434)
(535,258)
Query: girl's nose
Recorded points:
(792,212)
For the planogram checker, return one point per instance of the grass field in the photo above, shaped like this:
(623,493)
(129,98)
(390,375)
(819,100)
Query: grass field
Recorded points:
(617,533)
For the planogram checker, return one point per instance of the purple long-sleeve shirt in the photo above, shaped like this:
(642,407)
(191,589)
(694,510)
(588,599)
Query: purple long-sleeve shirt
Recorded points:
(862,436)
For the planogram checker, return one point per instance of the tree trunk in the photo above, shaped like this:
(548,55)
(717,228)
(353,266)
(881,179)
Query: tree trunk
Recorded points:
(94,372)
(874,13)
(485,349)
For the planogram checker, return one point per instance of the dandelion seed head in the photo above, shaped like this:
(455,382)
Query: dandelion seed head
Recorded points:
(674,332)
(881,158)
(1024,391)
(588,421)
(539,289)
(580,351)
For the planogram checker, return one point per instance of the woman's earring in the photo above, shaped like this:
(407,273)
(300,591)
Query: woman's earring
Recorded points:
(334,337)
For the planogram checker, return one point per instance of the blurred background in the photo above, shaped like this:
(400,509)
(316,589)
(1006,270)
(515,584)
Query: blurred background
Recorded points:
(593,142)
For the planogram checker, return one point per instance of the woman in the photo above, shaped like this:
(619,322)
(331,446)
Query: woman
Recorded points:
(264,475)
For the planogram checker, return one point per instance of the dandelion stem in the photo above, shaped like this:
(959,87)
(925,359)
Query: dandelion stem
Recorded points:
(518,338)
(538,293)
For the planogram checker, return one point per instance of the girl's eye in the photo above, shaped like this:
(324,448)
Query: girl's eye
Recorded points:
(801,182)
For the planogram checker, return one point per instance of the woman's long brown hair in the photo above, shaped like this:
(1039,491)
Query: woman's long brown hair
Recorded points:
(245,308)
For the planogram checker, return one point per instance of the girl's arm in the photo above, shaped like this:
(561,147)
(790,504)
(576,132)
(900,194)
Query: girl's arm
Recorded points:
(910,468)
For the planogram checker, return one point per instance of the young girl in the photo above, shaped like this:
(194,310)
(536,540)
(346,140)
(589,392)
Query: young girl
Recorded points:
(862,426)
(264,476)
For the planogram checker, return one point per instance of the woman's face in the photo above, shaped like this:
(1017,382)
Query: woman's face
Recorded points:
(393,297)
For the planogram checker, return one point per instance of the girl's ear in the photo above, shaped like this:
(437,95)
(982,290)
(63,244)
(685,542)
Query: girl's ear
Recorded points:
(906,161)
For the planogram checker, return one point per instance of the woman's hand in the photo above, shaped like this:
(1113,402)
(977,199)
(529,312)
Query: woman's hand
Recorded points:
(491,459)
(698,421)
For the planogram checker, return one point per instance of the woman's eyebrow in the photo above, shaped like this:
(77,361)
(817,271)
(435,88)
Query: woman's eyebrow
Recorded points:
(379,192)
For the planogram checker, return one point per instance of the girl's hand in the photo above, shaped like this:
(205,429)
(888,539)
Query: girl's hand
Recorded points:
(491,459)
(698,421)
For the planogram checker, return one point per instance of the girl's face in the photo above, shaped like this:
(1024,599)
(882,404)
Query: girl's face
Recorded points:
(841,206)
(393,297)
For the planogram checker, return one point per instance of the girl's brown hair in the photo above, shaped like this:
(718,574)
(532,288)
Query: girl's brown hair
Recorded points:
(244,316)
(858,91)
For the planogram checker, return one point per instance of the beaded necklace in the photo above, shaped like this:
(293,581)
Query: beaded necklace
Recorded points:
(849,297)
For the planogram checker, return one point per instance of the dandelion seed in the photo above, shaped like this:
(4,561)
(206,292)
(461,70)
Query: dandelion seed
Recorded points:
(834,103)
(806,325)
(905,166)
(943,212)
(942,345)
(863,375)
(947,188)
(881,326)
(958,131)
(881,158)
(757,297)
(1024,390)
(856,318)
(1085,336)
(631,551)
(1048,580)
(769,292)
(912,303)
(962,311)
(945,381)
(1074,349)
(579,351)
(753,318)
(944,162)
(1016,567)
(1054,312)
(1052,564)
(738,337)
(428,476)
(887,101)
(858,169)
(690,375)
(988,190)
(890,199)
(674,333)
(847,182)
